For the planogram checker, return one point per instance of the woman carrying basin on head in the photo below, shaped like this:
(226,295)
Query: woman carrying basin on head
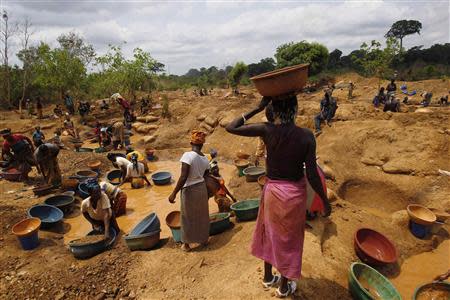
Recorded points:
(280,227)
(194,194)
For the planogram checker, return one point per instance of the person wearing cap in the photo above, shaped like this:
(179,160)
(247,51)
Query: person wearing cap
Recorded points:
(97,210)
(38,136)
(18,151)
(136,173)
(117,197)
(194,193)
(46,156)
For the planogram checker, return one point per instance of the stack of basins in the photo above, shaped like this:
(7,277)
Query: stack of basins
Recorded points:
(145,235)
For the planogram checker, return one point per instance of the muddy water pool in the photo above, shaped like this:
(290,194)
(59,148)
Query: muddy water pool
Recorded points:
(422,268)
(143,201)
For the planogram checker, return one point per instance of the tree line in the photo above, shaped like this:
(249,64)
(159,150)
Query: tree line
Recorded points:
(74,67)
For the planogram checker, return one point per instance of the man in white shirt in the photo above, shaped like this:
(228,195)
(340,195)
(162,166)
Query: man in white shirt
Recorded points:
(120,163)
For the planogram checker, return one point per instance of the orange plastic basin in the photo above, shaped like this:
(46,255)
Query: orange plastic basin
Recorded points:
(26,227)
(94,164)
(241,163)
(421,215)
(374,248)
(173,219)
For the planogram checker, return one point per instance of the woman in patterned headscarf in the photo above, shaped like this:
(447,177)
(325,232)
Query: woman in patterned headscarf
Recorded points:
(194,194)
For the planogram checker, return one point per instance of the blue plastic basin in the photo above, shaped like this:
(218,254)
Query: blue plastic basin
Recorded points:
(49,215)
(418,230)
(162,178)
(83,190)
(63,202)
(149,224)
(114,174)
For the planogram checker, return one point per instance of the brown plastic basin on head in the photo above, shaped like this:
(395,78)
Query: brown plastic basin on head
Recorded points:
(283,81)
(374,248)
(94,164)
(173,219)
(26,227)
(421,215)
(241,163)
(441,215)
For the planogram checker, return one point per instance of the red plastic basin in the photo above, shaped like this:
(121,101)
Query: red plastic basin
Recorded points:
(374,248)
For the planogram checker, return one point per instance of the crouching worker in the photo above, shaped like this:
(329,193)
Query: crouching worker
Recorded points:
(221,195)
(46,156)
(117,197)
(136,173)
(97,210)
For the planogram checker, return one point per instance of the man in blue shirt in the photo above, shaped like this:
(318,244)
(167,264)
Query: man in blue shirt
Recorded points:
(38,137)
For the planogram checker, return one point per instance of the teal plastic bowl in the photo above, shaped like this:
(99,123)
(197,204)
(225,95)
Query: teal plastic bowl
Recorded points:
(366,283)
(246,210)
(219,222)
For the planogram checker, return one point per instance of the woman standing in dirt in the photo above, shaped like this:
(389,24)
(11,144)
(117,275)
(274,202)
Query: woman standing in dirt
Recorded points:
(194,194)
(280,227)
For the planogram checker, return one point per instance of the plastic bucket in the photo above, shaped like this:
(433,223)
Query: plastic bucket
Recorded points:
(27,233)
(29,242)
(418,230)
(176,234)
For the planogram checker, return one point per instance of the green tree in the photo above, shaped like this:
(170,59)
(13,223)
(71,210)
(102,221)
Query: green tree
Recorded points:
(315,54)
(334,59)
(264,65)
(402,28)
(236,74)
(57,69)
(376,61)
(120,73)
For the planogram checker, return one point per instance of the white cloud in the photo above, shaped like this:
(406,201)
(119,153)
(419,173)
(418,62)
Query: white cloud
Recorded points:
(196,34)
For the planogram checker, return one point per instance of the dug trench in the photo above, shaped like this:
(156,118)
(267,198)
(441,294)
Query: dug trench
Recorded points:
(376,164)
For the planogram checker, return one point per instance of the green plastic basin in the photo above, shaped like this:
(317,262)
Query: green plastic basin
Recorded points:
(366,283)
(246,210)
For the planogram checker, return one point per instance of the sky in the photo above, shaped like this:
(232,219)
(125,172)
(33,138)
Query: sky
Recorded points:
(192,34)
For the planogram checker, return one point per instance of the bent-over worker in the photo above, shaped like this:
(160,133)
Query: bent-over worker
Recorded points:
(18,151)
(46,156)
(117,197)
